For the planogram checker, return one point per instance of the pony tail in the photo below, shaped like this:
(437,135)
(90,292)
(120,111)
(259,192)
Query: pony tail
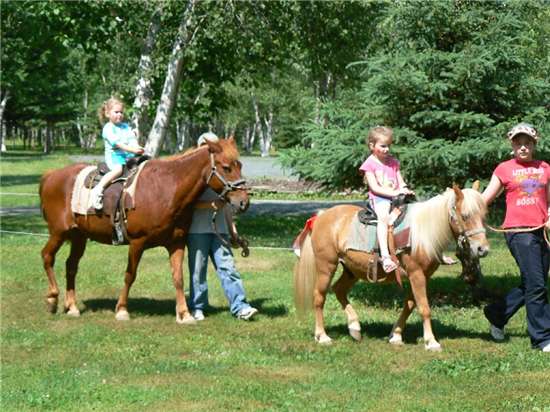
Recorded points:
(305,274)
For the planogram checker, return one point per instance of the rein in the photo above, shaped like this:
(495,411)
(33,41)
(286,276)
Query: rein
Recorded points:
(523,230)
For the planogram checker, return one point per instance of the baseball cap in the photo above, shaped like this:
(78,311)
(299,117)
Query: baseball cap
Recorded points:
(523,128)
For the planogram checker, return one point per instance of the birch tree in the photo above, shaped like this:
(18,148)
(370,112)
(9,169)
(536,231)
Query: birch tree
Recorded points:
(3,101)
(140,119)
(171,83)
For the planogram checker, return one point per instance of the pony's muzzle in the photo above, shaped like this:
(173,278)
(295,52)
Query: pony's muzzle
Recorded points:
(479,249)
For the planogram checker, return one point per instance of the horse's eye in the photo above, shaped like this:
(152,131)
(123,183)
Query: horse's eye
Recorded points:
(226,169)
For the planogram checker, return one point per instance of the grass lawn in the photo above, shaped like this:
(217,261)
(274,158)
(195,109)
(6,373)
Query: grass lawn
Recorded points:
(53,362)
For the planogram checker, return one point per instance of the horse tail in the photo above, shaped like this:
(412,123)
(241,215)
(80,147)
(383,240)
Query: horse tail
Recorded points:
(40,190)
(304,277)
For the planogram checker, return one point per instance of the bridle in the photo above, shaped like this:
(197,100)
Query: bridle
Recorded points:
(227,186)
(463,234)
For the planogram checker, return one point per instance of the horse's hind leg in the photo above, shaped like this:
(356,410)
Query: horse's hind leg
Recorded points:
(322,285)
(341,289)
(135,251)
(78,245)
(48,257)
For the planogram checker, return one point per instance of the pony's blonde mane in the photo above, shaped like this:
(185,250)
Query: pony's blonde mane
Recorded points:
(430,229)
(229,151)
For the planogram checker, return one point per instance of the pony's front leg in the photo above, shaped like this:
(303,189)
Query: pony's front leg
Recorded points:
(135,251)
(418,284)
(341,288)
(177,253)
(396,336)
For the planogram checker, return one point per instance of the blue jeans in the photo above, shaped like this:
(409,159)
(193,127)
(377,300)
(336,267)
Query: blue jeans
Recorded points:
(533,259)
(200,246)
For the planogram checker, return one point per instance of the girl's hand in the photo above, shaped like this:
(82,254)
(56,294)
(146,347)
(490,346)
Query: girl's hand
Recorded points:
(138,150)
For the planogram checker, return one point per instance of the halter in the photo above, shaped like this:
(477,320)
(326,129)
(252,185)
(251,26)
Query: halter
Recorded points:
(227,186)
(463,234)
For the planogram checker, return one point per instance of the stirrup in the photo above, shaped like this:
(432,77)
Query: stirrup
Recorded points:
(388,264)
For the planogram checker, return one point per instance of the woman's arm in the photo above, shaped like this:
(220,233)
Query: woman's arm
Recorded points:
(492,190)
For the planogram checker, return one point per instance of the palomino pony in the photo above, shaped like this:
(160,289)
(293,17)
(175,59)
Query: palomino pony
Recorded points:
(455,214)
(165,195)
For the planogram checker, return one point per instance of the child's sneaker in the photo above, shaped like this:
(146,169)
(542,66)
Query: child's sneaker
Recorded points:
(247,313)
(97,199)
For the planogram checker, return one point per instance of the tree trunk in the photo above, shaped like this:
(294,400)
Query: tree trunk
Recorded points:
(140,118)
(258,129)
(267,137)
(171,83)
(2,107)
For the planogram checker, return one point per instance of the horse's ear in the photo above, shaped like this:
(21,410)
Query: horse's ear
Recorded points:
(475,185)
(231,137)
(458,193)
(213,147)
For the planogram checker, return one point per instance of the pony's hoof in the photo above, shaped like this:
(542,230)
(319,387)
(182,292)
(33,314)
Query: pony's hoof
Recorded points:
(122,315)
(186,320)
(323,339)
(396,340)
(355,330)
(433,346)
(51,305)
(74,312)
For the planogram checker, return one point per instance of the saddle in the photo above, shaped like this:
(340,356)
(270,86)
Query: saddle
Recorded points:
(114,204)
(398,211)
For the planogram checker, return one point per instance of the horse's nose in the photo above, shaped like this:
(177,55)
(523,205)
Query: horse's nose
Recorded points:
(243,205)
(482,251)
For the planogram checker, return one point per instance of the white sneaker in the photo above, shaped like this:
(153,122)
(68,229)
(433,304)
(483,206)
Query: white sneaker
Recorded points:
(546,348)
(97,199)
(247,313)
(198,315)
(498,334)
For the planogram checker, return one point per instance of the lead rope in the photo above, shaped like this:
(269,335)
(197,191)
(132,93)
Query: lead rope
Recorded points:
(523,230)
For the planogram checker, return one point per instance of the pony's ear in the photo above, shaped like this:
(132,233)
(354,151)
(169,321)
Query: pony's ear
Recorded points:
(475,185)
(458,193)
(231,137)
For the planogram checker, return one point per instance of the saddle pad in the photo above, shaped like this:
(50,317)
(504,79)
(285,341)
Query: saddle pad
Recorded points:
(363,237)
(81,199)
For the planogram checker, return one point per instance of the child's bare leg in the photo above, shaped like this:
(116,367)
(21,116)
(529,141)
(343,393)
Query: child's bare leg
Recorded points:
(382,210)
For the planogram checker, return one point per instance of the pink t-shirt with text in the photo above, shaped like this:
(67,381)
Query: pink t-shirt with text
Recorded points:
(385,173)
(526,192)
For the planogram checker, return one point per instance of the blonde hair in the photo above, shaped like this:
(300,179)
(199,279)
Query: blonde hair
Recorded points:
(106,106)
(378,132)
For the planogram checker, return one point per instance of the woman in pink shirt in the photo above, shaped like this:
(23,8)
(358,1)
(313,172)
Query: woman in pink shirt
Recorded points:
(384,180)
(525,182)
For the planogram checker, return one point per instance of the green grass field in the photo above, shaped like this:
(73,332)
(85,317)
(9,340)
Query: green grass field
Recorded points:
(53,362)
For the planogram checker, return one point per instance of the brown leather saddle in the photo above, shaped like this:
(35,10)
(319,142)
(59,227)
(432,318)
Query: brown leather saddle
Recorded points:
(113,199)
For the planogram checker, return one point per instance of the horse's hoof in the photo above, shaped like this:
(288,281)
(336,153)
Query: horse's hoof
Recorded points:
(323,339)
(396,340)
(51,305)
(355,330)
(433,346)
(122,315)
(186,320)
(74,312)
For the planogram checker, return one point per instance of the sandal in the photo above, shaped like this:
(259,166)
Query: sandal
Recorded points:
(388,264)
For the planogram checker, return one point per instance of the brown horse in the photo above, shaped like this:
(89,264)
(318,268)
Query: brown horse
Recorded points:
(455,214)
(164,201)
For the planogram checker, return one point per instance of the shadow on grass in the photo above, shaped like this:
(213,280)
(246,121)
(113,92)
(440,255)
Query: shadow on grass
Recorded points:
(161,307)
(413,331)
(442,291)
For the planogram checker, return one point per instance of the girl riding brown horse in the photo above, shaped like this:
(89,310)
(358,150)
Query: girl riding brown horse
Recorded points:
(165,193)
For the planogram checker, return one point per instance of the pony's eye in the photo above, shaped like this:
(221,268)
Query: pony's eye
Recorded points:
(226,169)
